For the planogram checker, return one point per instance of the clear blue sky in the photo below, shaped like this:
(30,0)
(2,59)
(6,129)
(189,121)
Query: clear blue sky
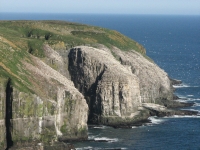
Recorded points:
(185,7)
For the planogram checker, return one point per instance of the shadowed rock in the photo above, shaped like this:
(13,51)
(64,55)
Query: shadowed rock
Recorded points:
(111,90)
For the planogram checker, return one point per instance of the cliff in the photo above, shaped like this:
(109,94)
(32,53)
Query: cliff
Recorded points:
(154,82)
(52,113)
(55,77)
(111,90)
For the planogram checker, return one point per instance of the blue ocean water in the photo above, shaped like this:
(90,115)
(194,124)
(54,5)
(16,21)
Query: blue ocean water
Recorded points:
(173,42)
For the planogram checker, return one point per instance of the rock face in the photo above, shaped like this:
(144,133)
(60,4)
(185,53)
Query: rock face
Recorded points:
(54,113)
(153,81)
(115,89)
(111,90)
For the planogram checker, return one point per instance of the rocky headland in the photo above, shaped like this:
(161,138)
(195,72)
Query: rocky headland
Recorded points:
(57,77)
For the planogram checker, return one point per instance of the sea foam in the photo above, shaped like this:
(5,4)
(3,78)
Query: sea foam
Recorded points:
(99,127)
(105,139)
(85,148)
(181,86)
(177,116)
(155,120)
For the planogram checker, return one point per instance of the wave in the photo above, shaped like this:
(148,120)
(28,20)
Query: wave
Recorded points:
(177,116)
(105,139)
(184,99)
(99,127)
(91,137)
(181,96)
(192,110)
(85,148)
(183,86)
(155,120)
(102,139)
(190,95)
(197,99)
(196,104)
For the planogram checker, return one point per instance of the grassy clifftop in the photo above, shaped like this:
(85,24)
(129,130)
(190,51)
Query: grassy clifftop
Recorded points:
(32,34)
(19,39)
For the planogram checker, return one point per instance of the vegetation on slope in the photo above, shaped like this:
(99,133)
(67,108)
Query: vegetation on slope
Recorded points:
(19,39)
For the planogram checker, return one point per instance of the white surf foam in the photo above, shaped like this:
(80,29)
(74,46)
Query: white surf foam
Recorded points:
(190,95)
(110,140)
(182,100)
(99,127)
(181,96)
(181,86)
(91,137)
(190,109)
(197,99)
(177,116)
(155,120)
(196,104)
(85,148)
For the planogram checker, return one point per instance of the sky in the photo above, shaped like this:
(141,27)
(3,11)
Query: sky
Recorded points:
(180,7)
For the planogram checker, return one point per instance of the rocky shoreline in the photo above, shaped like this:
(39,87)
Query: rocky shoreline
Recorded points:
(162,108)
(52,146)
(149,109)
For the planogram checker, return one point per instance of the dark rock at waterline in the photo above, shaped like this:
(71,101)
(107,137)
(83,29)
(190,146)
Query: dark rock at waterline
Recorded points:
(71,140)
(52,146)
(162,111)
(175,97)
(175,81)
(111,149)
(174,112)
(173,103)
(60,146)
(137,124)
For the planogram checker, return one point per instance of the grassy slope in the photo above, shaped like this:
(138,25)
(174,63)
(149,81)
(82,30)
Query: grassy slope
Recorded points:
(19,39)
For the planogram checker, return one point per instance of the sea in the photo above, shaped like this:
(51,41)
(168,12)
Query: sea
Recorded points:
(173,42)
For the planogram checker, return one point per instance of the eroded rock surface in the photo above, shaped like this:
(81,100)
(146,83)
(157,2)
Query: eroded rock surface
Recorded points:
(153,81)
(70,87)
(111,90)
(52,113)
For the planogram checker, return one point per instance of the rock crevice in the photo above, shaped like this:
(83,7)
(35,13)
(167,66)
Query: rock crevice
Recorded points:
(8,115)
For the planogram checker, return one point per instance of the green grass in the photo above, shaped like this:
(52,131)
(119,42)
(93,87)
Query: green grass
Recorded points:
(110,38)
(70,33)
(20,39)
(35,47)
